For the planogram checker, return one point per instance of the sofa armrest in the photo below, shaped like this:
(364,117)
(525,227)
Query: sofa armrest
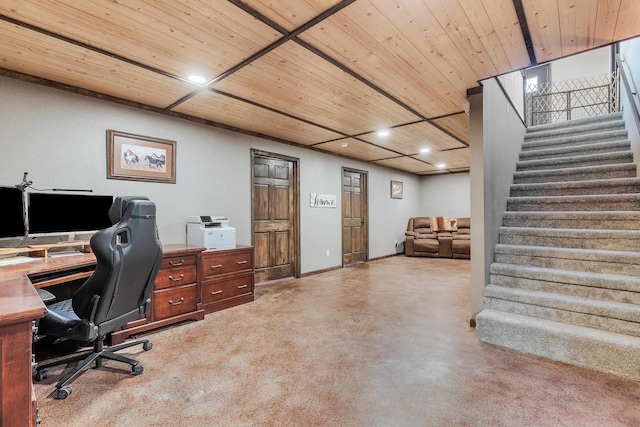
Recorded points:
(408,244)
(410,233)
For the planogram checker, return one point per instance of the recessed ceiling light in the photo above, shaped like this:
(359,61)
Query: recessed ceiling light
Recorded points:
(441,165)
(344,144)
(383,132)
(197,79)
(425,150)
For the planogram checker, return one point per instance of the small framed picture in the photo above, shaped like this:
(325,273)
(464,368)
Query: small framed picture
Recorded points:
(140,158)
(396,189)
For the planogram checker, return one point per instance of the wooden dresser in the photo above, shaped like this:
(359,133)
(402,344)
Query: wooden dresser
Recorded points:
(227,278)
(176,294)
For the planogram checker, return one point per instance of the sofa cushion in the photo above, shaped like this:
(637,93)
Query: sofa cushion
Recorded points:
(421,222)
(464,223)
(426,245)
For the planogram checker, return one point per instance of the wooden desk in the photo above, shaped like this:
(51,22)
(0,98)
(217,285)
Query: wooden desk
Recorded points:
(177,296)
(19,306)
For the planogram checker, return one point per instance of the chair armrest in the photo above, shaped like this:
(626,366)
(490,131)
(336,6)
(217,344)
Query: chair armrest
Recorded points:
(410,233)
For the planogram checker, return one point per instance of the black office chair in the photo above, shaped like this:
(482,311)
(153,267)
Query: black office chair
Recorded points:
(128,256)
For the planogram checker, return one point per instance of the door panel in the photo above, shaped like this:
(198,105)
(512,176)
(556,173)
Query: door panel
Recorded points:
(261,251)
(354,217)
(282,248)
(274,214)
(261,202)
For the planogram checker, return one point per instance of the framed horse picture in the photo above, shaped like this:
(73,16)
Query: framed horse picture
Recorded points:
(140,158)
(396,189)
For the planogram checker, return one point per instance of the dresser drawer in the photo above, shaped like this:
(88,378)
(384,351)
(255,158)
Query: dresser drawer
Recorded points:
(217,291)
(176,277)
(174,301)
(173,262)
(214,265)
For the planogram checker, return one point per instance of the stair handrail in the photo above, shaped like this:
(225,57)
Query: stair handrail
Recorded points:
(632,90)
(506,94)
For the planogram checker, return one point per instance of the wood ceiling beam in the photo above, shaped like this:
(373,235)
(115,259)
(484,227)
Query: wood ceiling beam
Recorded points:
(524,27)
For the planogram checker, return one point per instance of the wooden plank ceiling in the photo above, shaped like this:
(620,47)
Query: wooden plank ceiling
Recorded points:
(323,74)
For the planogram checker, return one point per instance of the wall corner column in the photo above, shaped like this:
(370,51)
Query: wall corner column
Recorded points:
(476,186)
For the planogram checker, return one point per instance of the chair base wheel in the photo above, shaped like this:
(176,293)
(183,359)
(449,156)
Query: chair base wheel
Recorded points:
(137,369)
(147,346)
(42,375)
(63,392)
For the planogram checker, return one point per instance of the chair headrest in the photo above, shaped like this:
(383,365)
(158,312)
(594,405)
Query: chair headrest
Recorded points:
(140,209)
(119,206)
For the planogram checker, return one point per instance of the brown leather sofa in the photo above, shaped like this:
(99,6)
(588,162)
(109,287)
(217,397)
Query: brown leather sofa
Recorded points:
(422,240)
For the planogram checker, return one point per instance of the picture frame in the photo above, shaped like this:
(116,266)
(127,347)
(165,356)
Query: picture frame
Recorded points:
(140,158)
(396,189)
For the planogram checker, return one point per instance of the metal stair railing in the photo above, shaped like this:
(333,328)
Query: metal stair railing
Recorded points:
(552,102)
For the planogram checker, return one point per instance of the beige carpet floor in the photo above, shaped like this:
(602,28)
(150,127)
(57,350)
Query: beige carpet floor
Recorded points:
(386,343)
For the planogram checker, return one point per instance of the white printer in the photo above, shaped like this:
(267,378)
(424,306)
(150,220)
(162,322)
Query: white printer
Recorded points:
(212,232)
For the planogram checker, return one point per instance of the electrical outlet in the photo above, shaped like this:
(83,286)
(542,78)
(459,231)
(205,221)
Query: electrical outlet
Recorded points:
(328,252)
(396,243)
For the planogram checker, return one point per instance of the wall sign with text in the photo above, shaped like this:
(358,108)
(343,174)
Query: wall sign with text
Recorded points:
(317,200)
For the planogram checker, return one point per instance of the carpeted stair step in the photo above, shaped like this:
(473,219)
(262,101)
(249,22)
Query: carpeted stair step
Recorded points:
(575,140)
(616,240)
(576,123)
(534,132)
(592,260)
(599,202)
(605,287)
(573,188)
(611,171)
(602,315)
(576,161)
(579,150)
(619,220)
(565,283)
(603,351)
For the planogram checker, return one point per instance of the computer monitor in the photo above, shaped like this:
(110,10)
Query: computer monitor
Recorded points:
(12,223)
(51,214)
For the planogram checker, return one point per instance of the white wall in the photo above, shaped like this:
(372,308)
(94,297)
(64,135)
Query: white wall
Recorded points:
(496,139)
(590,63)
(446,195)
(630,51)
(513,84)
(60,139)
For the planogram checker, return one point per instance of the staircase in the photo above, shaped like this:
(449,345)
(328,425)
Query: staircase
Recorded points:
(565,283)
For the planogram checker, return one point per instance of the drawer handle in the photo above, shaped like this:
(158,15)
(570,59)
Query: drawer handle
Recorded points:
(213,267)
(177,303)
(242,286)
(216,292)
(176,264)
(176,279)
(241,262)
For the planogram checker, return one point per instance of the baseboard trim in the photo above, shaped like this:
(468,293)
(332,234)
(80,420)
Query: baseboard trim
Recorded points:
(384,256)
(324,270)
(338,267)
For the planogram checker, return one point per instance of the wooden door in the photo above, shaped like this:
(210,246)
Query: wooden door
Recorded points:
(354,217)
(274,217)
